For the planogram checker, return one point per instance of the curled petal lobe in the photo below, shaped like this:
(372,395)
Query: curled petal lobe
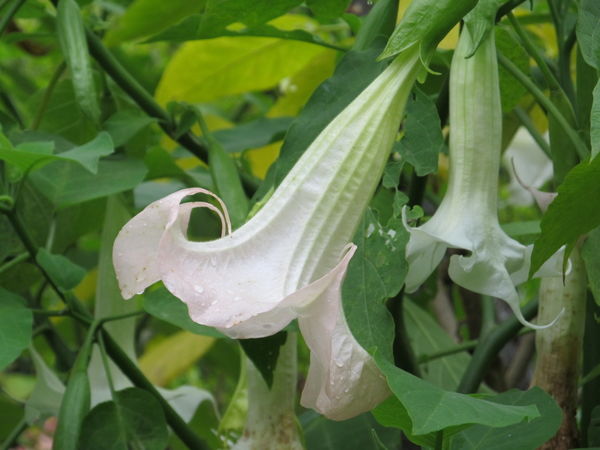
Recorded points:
(343,380)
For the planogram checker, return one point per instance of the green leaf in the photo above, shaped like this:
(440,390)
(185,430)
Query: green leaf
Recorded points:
(226,177)
(190,29)
(16,322)
(588,27)
(375,273)
(321,433)
(564,222)
(391,413)
(353,74)
(511,91)
(71,35)
(425,23)
(64,117)
(254,134)
(220,13)
(201,71)
(73,408)
(522,436)
(163,305)
(135,420)
(125,124)
(63,272)
(426,338)
(593,436)
(47,394)
(29,155)
(263,352)
(146,17)
(590,252)
(66,184)
(595,121)
(327,9)
(423,139)
(432,409)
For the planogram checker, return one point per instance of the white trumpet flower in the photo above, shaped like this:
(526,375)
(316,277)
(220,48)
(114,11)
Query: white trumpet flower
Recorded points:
(467,217)
(284,263)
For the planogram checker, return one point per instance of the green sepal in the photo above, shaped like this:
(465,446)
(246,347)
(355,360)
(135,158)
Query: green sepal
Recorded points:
(481,20)
(425,24)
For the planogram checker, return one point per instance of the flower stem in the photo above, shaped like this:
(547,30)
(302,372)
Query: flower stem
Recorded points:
(489,346)
(558,362)
(547,104)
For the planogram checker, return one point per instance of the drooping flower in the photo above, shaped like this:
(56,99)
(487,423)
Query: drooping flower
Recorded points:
(289,260)
(467,216)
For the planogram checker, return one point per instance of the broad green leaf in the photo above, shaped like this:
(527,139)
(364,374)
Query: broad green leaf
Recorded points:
(590,252)
(71,36)
(361,432)
(327,9)
(125,124)
(392,414)
(520,229)
(220,13)
(263,352)
(11,413)
(135,420)
(109,302)
(522,436)
(47,394)
(63,116)
(66,184)
(254,134)
(163,305)
(423,139)
(511,91)
(172,356)
(63,272)
(426,338)
(16,326)
(595,121)
(425,23)
(191,29)
(431,409)
(564,221)
(29,155)
(146,17)
(588,28)
(202,71)
(354,72)
(375,273)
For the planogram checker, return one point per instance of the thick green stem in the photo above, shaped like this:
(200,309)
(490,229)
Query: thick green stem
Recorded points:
(558,364)
(14,435)
(271,422)
(547,104)
(488,348)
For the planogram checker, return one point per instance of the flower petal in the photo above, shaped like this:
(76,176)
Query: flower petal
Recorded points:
(135,255)
(343,380)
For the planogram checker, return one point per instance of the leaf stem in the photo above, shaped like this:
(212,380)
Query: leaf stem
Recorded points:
(13,262)
(39,115)
(489,346)
(547,104)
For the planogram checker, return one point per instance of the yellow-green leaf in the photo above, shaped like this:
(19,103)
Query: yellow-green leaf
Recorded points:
(173,356)
(201,71)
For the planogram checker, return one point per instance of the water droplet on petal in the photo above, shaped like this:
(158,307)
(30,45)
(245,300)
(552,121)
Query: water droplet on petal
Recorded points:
(199,289)
(237,298)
